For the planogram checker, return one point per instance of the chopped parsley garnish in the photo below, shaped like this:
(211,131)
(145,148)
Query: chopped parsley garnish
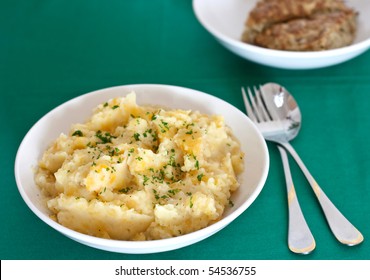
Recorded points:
(188,124)
(130,151)
(114,151)
(105,138)
(156,194)
(200,176)
(115,107)
(191,202)
(125,190)
(77,133)
(103,191)
(196,164)
(146,179)
(164,126)
(172,161)
(137,136)
(174,191)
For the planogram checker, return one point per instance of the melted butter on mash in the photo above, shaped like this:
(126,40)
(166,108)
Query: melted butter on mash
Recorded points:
(141,173)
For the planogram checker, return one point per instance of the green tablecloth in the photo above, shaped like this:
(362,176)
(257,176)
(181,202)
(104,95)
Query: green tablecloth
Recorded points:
(52,51)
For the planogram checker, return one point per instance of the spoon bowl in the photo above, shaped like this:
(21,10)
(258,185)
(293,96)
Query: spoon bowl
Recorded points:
(282,106)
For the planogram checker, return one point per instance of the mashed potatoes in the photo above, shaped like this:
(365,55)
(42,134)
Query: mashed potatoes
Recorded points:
(141,173)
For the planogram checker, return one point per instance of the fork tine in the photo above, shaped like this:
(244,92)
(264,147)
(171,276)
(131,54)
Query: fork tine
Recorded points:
(262,105)
(254,106)
(248,106)
(272,113)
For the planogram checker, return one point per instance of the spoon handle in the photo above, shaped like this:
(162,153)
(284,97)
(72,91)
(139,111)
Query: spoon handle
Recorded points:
(300,239)
(342,229)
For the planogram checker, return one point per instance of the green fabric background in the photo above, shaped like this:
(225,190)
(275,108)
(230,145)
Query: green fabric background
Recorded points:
(54,50)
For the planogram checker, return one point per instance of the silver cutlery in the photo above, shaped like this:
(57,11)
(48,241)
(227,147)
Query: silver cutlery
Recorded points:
(277,116)
(300,239)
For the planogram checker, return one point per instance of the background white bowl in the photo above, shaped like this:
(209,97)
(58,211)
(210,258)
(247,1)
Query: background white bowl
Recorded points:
(224,19)
(80,108)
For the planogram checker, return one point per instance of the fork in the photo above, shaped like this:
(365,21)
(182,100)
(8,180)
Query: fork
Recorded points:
(300,239)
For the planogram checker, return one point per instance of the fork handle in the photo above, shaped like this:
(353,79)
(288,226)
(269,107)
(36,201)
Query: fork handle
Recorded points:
(342,229)
(300,239)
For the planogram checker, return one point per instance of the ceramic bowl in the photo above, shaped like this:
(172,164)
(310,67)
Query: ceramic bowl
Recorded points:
(225,19)
(80,108)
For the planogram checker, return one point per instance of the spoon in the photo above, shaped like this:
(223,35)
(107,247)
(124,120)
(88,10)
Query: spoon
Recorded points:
(285,125)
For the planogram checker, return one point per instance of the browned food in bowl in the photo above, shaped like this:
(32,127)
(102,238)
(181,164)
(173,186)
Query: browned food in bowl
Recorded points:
(306,25)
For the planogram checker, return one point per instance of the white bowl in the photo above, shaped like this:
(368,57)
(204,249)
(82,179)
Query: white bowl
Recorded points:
(224,19)
(80,108)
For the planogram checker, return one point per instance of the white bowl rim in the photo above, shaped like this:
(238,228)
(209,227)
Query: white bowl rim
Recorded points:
(149,246)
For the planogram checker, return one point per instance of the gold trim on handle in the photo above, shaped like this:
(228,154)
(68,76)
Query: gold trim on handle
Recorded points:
(305,250)
(291,194)
(352,242)
(316,188)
